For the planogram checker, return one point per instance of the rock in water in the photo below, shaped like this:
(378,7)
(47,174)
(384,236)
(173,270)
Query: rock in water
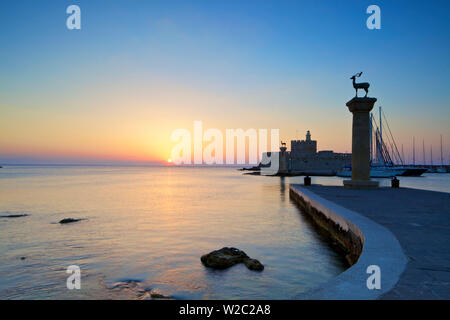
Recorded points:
(253,264)
(136,287)
(158,296)
(13,215)
(227,257)
(69,220)
(223,258)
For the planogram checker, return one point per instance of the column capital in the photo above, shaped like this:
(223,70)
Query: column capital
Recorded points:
(361,104)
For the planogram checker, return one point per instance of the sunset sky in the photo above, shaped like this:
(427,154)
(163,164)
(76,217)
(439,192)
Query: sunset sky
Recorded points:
(114,91)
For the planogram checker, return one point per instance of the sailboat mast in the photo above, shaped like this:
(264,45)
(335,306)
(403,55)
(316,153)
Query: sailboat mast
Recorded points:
(381,128)
(423,146)
(392,150)
(414,151)
(442,159)
(431,154)
(403,155)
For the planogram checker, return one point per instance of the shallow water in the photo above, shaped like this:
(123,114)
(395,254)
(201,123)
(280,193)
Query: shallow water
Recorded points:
(146,229)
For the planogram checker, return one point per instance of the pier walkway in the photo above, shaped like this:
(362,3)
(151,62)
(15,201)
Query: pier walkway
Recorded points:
(419,220)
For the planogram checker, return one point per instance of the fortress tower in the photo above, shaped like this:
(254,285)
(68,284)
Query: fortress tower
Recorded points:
(307,146)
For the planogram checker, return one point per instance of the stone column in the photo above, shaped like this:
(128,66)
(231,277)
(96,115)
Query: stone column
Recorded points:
(360,108)
(283,170)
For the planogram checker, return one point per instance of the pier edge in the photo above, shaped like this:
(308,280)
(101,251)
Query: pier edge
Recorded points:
(365,242)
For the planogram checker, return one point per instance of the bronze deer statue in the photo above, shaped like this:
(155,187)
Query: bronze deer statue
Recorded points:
(362,85)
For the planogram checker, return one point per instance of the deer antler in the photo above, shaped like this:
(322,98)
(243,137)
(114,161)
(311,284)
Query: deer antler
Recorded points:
(359,74)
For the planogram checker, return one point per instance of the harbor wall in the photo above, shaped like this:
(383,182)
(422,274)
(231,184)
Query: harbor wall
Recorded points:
(364,242)
(322,163)
(346,236)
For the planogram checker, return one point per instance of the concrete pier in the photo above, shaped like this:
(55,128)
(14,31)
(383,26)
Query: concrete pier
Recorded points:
(403,231)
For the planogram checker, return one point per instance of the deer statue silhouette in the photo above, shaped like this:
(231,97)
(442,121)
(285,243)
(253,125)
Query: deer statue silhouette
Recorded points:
(362,85)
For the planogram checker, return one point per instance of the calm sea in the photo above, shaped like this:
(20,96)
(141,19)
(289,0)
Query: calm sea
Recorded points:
(146,228)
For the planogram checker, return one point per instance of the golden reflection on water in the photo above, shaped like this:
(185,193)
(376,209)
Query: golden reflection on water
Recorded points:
(152,224)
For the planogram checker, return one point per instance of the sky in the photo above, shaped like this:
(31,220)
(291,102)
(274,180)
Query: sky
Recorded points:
(115,90)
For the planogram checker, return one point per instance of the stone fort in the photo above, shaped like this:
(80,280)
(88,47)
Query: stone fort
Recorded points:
(303,158)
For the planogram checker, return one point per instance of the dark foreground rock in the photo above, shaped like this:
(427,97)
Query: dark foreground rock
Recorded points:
(13,215)
(227,257)
(69,220)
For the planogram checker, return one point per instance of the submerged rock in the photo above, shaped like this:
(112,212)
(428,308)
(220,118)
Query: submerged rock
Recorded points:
(227,257)
(159,296)
(14,215)
(69,220)
(135,287)
(253,264)
(126,284)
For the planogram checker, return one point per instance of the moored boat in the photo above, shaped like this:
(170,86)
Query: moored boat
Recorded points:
(412,171)
(375,172)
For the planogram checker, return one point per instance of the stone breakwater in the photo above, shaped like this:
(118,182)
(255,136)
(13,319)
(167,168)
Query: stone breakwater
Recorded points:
(365,243)
(406,235)
(347,237)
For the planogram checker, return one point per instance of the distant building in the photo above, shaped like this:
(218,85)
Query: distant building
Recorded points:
(304,158)
(307,146)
